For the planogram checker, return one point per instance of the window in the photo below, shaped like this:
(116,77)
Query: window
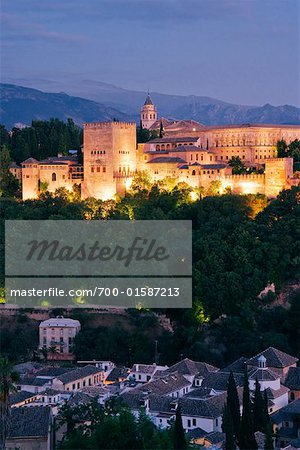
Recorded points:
(92,169)
(98,169)
(54,176)
(194,422)
(104,169)
(189,423)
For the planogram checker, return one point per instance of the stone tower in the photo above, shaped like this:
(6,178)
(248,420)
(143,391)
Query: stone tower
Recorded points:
(109,158)
(277,172)
(148,113)
(30,179)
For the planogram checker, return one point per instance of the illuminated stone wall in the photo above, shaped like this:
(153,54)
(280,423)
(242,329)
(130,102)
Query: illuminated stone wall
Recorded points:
(109,154)
(30,180)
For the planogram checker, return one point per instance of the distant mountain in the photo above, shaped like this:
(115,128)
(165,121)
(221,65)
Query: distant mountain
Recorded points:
(21,105)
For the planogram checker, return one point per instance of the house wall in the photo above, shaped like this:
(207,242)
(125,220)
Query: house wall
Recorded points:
(28,444)
(91,380)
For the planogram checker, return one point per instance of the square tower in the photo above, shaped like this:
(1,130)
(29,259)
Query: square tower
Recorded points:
(109,158)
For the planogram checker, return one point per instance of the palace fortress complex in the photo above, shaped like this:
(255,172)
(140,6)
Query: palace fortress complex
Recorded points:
(188,152)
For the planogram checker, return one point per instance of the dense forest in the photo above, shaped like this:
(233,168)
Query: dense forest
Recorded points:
(240,245)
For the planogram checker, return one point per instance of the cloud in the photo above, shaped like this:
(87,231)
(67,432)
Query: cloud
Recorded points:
(14,27)
(148,12)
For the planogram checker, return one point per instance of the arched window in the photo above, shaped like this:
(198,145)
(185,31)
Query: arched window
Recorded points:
(54,176)
(193,172)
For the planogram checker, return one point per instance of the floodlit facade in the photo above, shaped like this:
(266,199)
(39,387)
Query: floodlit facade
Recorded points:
(58,333)
(188,152)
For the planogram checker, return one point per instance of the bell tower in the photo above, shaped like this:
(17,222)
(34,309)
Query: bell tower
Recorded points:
(148,113)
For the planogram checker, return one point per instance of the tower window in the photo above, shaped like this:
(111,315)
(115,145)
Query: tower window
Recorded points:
(54,176)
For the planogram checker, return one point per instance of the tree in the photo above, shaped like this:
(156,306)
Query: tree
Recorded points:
(179,435)
(237,165)
(281,147)
(8,378)
(259,419)
(227,427)
(233,405)
(247,438)
(8,183)
(269,445)
(161,129)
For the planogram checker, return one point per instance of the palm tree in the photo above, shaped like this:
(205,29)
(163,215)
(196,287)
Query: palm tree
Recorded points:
(8,378)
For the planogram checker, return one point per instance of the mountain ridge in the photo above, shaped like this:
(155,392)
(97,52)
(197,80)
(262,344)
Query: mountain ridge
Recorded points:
(20,104)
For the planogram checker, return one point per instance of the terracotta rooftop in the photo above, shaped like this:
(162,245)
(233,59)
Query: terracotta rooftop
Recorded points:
(274,358)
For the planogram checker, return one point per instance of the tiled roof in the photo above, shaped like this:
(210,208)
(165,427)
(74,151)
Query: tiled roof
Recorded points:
(188,148)
(262,374)
(76,374)
(292,380)
(210,408)
(13,165)
(196,433)
(275,358)
(167,140)
(201,392)
(166,159)
(80,398)
(27,367)
(144,368)
(30,161)
(59,322)
(148,100)
(275,393)
(30,381)
(50,391)
(215,437)
(52,371)
(28,422)
(117,373)
(165,385)
(250,125)
(20,396)
(287,412)
(213,166)
(219,380)
(237,366)
(189,367)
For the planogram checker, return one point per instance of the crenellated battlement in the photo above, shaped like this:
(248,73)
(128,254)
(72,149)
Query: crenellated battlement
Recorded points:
(109,125)
(245,176)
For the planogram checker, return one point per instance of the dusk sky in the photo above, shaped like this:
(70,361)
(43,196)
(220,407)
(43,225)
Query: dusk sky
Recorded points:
(241,51)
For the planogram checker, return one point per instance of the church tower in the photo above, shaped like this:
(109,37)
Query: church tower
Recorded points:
(148,113)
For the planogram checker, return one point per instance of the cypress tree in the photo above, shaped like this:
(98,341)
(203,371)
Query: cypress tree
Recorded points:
(233,404)
(227,427)
(266,417)
(179,435)
(268,439)
(247,438)
(161,130)
(259,422)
